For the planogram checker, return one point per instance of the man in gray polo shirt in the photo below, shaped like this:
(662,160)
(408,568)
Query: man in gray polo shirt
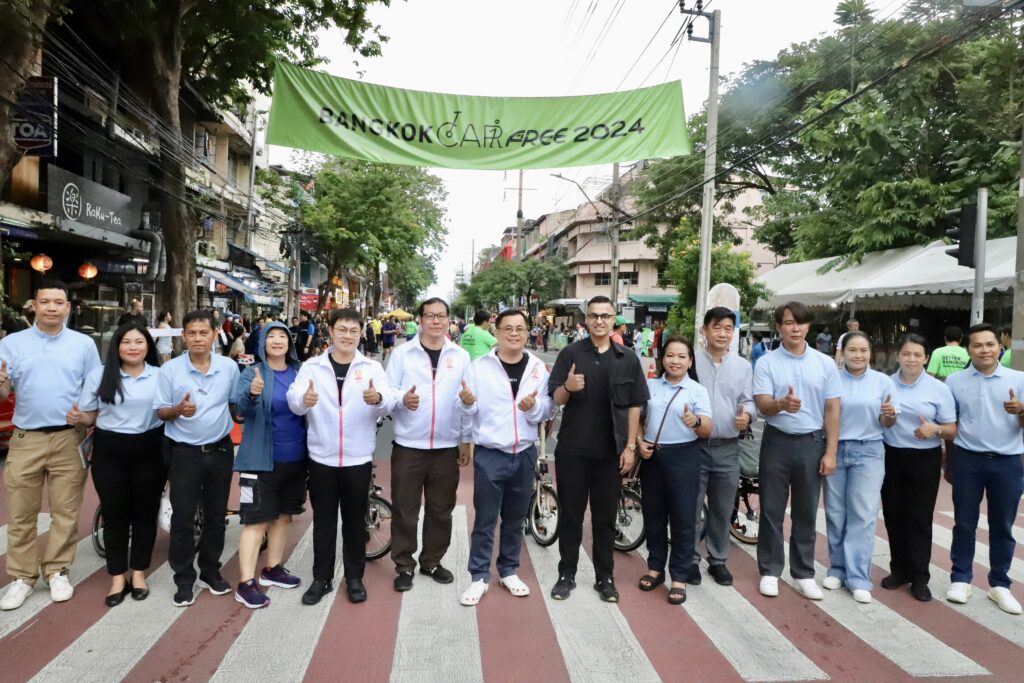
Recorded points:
(729,381)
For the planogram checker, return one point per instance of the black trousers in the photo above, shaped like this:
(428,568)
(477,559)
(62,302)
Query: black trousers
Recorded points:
(332,489)
(198,479)
(909,490)
(129,475)
(583,480)
(671,485)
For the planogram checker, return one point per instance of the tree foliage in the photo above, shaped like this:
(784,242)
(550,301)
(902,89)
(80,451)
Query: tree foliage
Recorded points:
(508,283)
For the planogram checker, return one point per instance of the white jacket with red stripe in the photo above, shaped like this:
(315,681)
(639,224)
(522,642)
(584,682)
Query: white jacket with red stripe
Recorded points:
(341,434)
(436,422)
(497,421)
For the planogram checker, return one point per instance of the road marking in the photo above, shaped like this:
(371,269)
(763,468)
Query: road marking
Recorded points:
(86,563)
(944,537)
(112,646)
(292,627)
(437,637)
(594,637)
(908,646)
(42,526)
(1018,532)
(754,647)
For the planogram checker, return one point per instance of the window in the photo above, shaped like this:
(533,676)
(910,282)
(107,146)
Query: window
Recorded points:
(602,279)
(632,278)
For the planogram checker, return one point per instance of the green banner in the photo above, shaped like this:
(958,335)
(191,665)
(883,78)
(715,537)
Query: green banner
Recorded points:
(322,113)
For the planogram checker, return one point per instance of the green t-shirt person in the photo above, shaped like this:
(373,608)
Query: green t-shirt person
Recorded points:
(410,329)
(946,360)
(1004,360)
(477,341)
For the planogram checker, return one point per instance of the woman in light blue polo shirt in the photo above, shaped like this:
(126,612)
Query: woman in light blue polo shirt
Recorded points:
(913,466)
(868,403)
(678,412)
(127,463)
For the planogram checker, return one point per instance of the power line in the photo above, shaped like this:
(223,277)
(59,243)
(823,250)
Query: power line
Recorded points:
(636,61)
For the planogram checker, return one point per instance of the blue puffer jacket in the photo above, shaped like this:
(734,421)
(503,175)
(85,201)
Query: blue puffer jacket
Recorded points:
(256,452)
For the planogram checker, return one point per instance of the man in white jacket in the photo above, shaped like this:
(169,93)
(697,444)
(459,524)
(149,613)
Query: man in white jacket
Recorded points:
(342,393)
(430,444)
(505,395)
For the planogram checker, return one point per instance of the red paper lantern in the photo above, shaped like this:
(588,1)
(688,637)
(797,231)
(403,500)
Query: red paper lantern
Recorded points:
(41,263)
(88,271)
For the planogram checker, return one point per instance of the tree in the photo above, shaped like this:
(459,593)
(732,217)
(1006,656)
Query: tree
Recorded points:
(22,24)
(217,46)
(507,283)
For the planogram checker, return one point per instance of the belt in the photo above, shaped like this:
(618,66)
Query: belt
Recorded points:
(49,430)
(721,442)
(815,433)
(203,448)
(987,454)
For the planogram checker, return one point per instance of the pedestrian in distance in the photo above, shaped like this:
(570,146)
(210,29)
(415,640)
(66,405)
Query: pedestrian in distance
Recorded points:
(913,467)
(728,379)
(950,358)
(797,390)
(195,398)
(868,404)
(127,463)
(504,396)
(47,364)
(1006,342)
(852,325)
(477,338)
(164,345)
(342,393)
(411,328)
(603,389)
(431,444)
(678,415)
(619,331)
(389,331)
(986,463)
(271,463)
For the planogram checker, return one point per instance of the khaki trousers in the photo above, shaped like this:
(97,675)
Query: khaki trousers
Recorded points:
(35,459)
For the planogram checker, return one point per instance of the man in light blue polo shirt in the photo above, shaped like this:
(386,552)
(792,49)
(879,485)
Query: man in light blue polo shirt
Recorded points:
(796,389)
(986,463)
(193,397)
(47,363)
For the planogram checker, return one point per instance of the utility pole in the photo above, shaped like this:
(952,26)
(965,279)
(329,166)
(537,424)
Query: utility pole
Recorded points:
(710,156)
(614,237)
(249,227)
(519,220)
(980,236)
(1017,357)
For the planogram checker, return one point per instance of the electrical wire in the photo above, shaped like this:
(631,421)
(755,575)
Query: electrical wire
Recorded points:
(646,47)
(602,34)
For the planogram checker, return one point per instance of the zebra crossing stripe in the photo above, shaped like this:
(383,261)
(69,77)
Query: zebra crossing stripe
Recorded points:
(438,637)
(107,650)
(1018,531)
(596,641)
(899,640)
(42,526)
(944,537)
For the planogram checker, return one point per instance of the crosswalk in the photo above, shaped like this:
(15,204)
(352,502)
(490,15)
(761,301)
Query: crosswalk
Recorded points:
(426,635)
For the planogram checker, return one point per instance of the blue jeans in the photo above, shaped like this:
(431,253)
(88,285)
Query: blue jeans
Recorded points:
(1000,479)
(502,484)
(853,496)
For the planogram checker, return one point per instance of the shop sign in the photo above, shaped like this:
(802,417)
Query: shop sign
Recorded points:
(657,308)
(72,197)
(34,118)
(309,299)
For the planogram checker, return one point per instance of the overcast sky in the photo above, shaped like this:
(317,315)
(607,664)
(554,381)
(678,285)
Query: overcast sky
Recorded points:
(539,48)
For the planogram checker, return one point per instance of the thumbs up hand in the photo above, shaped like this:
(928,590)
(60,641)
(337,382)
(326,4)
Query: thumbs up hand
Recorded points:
(74,415)
(742,420)
(466,396)
(926,430)
(528,401)
(256,387)
(574,382)
(371,396)
(411,400)
(1013,406)
(186,408)
(888,409)
(4,377)
(789,403)
(689,419)
(310,398)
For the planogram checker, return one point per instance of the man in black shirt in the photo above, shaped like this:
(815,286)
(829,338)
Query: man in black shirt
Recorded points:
(603,388)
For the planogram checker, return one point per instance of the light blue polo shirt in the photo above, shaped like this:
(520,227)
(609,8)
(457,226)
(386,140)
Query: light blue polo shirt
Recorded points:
(814,378)
(675,430)
(860,404)
(210,392)
(928,398)
(47,373)
(983,424)
(132,411)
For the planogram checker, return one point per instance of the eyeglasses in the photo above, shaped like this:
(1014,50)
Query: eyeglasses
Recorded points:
(513,330)
(347,331)
(602,317)
(434,317)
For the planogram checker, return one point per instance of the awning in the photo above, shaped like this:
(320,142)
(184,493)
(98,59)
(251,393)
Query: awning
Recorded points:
(274,266)
(246,250)
(12,232)
(647,299)
(568,303)
(231,282)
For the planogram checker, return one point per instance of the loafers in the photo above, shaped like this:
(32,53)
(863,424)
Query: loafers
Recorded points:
(893,581)
(438,574)
(356,590)
(721,575)
(921,592)
(403,582)
(115,599)
(316,591)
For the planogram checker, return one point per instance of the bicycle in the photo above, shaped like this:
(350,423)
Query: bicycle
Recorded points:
(746,513)
(378,520)
(542,520)
(629,518)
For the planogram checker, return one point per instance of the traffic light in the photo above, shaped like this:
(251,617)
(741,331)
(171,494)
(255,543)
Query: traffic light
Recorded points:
(963,235)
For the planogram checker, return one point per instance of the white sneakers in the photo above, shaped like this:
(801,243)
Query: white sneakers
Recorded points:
(833,583)
(60,587)
(959,592)
(1002,597)
(769,586)
(16,594)
(471,596)
(808,588)
(515,586)
(862,596)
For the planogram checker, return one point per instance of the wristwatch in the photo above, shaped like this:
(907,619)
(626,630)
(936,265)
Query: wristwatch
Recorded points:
(631,447)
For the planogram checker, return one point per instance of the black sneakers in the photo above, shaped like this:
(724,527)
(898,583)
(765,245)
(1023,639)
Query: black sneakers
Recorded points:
(215,584)
(566,584)
(438,573)
(316,591)
(721,575)
(893,581)
(356,590)
(184,596)
(403,582)
(606,589)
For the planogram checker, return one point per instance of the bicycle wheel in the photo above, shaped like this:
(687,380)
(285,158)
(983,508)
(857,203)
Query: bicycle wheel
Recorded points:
(629,522)
(746,516)
(542,520)
(378,528)
(97,533)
